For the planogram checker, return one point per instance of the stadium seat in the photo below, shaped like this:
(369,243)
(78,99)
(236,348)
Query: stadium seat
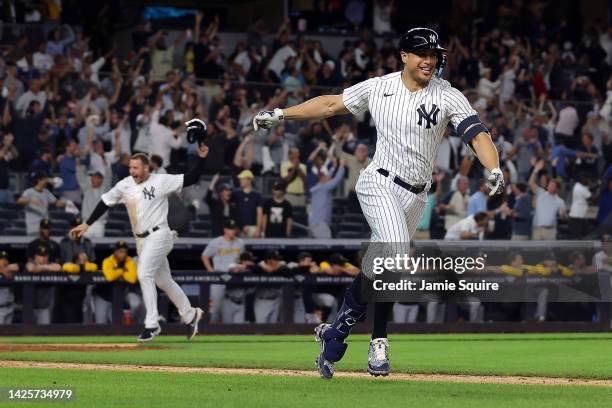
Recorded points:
(199,225)
(11,206)
(15,231)
(203,217)
(59,232)
(351,226)
(18,223)
(113,233)
(197,233)
(352,217)
(350,234)
(61,215)
(9,215)
(120,225)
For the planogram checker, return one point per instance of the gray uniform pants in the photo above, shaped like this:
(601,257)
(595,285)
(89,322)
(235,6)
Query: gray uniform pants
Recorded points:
(267,306)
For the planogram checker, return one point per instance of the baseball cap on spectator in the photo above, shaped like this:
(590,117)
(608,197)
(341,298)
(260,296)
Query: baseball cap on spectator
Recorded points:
(303,255)
(76,222)
(279,185)
(246,256)
(45,224)
(230,224)
(337,259)
(121,245)
(3,255)
(273,255)
(246,174)
(223,187)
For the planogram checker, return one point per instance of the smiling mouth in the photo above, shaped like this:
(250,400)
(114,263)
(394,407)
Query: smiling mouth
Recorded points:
(426,70)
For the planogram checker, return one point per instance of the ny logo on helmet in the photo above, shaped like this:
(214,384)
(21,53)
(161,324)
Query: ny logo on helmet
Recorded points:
(432,38)
(430,117)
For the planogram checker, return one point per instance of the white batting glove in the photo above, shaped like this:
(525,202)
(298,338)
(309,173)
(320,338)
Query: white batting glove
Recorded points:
(267,119)
(496,182)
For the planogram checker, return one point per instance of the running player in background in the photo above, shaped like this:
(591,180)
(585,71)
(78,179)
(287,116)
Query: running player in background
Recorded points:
(145,195)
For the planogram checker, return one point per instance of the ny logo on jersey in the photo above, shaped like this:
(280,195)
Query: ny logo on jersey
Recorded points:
(150,193)
(430,117)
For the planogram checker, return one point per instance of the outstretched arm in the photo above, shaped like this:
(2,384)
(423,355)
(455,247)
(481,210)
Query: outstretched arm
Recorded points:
(320,107)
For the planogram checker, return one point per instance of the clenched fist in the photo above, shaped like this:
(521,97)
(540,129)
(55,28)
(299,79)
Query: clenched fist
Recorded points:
(267,119)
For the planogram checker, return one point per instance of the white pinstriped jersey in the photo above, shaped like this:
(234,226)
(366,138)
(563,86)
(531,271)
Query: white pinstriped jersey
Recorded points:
(147,202)
(410,125)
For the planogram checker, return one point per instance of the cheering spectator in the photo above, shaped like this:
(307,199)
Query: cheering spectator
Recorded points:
(8,153)
(44,163)
(163,134)
(522,213)
(589,158)
(526,148)
(548,205)
(58,41)
(355,162)
(578,222)
(478,200)
(604,209)
(249,205)
(222,207)
(278,213)
(321,201)
(471,227)
(456,209)
(70,189)
(294,174)
(26,129)
(566,125)
(93,187)
(36,200)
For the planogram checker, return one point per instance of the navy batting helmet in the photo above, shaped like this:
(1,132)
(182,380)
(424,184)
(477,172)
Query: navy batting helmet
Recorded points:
(420,38)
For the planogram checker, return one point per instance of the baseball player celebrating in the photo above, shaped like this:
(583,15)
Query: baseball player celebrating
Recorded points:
(145,195)
(411,109)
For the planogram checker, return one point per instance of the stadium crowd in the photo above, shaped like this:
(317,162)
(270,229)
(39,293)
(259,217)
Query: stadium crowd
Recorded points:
(74,109)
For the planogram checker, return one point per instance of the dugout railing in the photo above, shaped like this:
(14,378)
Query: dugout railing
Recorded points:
(24,284)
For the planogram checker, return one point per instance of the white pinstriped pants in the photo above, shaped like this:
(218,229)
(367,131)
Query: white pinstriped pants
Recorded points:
(154,269)
(392,212)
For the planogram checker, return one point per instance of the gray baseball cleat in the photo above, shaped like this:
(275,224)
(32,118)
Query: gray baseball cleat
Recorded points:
(192,327)
(326,368)
(378,357)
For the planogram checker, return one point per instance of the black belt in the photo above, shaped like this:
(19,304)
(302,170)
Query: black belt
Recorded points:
(147,233)
(402,183)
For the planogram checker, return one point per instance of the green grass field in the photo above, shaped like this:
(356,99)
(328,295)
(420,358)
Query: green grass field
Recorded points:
(549,355)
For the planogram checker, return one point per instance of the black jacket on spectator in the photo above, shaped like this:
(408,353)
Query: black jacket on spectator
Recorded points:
(53,249)
(218,213)
(26,131)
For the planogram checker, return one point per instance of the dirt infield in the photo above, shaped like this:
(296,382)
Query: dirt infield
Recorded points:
(476,379)
(7,347)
